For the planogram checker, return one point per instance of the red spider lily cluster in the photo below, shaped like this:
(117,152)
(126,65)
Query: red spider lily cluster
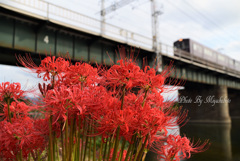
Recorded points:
(91,113)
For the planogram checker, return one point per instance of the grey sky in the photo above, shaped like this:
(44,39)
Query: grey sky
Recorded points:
(214,23)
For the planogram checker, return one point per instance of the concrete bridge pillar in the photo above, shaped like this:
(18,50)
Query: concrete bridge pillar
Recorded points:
(205,103)
(223,112)
(234,105)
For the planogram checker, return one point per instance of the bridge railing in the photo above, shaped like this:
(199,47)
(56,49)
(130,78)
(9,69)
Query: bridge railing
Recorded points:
(63,16)
(66,17)
(173,51)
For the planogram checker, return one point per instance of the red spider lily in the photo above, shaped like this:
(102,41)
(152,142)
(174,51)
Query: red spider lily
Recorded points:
(17,136)
(126,74)
(134,118)
(81,73)
(44,88)
(152,80)
(114,118)
(57,102)
(49,68)
(63,102)
(96,100)
(17,110)
(152,120)
(156,100)
(154,115)
(41,125)
(123,102)
(10,91)
(106,118)
(180,147)
(110,117)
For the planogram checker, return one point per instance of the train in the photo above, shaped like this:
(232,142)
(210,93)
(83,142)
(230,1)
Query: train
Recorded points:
(193,49)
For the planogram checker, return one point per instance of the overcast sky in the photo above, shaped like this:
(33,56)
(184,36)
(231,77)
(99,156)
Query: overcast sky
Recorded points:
(213,23)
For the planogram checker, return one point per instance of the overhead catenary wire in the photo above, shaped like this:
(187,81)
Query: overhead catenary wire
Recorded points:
(134,23)
(131,21)
(196,36)
(195,19)
(190,13)
(209,20)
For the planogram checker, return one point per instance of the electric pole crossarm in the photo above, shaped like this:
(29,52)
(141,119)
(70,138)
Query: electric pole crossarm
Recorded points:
(115,6)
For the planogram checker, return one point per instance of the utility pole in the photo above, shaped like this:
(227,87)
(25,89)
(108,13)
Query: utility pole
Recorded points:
(116,6)
(104,11)
(155,37)
(155,14)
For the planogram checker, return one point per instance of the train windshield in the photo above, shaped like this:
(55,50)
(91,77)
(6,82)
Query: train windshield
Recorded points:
(185,45)
(181,45)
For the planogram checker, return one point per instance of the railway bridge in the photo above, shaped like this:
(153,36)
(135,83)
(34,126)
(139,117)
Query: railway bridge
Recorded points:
(37,27)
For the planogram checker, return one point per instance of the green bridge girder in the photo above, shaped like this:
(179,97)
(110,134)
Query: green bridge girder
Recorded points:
(203,76)
(20,34)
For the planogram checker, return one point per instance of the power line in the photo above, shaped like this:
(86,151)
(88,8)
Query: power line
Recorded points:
(193,18)
(115,6)
(205,17)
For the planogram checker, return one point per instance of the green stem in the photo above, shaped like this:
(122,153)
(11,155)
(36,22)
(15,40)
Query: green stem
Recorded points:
(89,148)
(128,152)
(66,140)
(21,157)
(90,141)
(38,155)
(53,81)
(130,147)
(144,155)
(63,147)
(9,112)
(54,145)
(109,148)
(71,139)
(79,140)
(83,139)
(18,157)
(94,148)
(138,149)
(86,142)
(100,152)
(85,150)
(50,139)
(123,95)
(143,147)
(49,153)
(28,158)
(122,149)
(76,150)
(116,145)
(133,147)
(145,96)
(105,148)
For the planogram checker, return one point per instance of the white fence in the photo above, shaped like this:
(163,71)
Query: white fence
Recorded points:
(67,17)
